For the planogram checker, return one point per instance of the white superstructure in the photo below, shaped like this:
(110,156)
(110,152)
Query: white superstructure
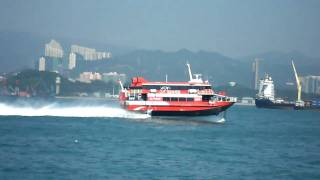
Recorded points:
(197,78)
(266,88)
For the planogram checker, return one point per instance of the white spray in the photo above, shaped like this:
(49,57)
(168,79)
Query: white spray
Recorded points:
(68,111)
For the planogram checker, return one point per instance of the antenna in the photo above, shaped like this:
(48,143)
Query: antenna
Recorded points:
(189,70)
(121,85)
(297,80)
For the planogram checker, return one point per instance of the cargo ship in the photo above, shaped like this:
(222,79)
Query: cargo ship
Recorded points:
(266,96)
(192,98)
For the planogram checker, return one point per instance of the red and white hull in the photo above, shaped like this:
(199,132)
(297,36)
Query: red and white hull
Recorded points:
(162,108)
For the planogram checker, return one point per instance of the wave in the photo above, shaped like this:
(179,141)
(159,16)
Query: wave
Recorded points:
(94,109)
(60,110)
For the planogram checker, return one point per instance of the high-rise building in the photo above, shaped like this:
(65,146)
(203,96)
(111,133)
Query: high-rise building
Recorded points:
(90,54)
(310,84)
(113,77)
(42,64)
(58,82)
(53,49)
(89,76)
(255,70)
(72,61)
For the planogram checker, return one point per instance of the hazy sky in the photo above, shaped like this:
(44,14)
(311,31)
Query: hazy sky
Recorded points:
(231,27)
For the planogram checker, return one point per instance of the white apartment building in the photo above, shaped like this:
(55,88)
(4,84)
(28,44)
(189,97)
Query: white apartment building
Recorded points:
(72,61)
(53,49)
(89,76)
(310,84)
(42,64)
(90,54)
(113,77)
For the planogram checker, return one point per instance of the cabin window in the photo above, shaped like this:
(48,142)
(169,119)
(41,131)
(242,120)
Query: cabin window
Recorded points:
(166,99)
(174,99)
(190,99)
(158,87)
(151,87)
(182,99)
(136,87)
(144,97)
(206,98)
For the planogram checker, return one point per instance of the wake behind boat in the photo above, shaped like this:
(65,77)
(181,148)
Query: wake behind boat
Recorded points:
(193,98)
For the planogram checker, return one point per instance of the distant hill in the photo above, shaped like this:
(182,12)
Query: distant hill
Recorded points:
(218,68)
(278,65)
(213,66)
(21,50)
(43,83)
(154,65)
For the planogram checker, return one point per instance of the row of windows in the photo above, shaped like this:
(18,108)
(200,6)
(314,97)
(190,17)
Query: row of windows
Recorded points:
(158,87)
(181,99)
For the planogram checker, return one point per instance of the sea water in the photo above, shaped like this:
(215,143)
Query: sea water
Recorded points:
(101,141)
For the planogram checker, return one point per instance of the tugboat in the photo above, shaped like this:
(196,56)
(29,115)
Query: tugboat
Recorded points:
(193,98)
(266,98)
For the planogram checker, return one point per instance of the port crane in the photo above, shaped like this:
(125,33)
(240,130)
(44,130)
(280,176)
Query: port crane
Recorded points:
(299,102)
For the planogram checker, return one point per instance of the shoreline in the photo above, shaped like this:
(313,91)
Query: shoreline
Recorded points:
(87,98)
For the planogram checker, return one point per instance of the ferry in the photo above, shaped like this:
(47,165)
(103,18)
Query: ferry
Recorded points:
(192,98)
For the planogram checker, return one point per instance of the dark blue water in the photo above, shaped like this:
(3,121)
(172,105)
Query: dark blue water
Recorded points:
(251,144)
